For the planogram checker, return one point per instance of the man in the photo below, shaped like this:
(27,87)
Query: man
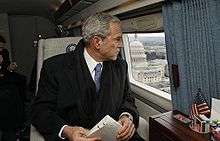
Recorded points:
(12,92)
(72,97)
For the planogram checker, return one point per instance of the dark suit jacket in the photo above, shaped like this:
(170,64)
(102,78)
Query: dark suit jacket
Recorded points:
(67,94)
(12,94)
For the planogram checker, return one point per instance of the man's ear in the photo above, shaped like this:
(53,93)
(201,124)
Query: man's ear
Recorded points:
(96,42)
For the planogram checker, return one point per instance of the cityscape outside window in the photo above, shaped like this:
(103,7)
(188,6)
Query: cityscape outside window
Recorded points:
(149,59)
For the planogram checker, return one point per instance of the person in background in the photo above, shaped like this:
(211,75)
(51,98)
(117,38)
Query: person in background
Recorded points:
(12,92)
(77,89)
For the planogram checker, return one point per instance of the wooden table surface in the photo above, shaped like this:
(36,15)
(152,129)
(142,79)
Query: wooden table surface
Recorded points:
(164,127)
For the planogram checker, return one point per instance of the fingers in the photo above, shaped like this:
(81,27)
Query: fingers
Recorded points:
(132,133)
(125,126)
(127,130)
(124,133)
(80,135)
(79,131)
(77,134)
(86,139)
(74,133)
(12,67)
(128,134)
(92,139)
(14,64)
(83,130)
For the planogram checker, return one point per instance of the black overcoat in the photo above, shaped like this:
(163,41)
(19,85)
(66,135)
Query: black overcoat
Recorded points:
(67,95)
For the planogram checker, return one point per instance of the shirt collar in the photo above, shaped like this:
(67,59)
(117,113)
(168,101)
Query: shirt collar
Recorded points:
(91,63)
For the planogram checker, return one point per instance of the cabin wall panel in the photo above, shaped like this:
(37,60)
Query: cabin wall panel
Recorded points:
(145,110)
(23,52)
(4,29)
(24,30)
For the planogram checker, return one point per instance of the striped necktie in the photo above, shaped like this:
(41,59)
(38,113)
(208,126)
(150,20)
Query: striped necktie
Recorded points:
(98,71)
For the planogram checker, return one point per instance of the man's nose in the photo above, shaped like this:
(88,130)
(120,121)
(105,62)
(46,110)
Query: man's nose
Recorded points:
(120,45)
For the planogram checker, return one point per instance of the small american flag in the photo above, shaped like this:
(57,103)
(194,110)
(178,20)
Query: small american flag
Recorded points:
(200,105)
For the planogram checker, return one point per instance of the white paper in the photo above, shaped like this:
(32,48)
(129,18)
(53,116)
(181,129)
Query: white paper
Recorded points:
(107,129)
(215,111)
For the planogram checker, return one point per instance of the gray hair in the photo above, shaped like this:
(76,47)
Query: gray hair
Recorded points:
(97,24)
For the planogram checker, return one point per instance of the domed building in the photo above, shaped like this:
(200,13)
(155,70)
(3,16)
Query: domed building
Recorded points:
(143,71)
(138,57)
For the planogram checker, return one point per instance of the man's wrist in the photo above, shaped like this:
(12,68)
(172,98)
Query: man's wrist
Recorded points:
(67,131)
(126,114)
(62,133)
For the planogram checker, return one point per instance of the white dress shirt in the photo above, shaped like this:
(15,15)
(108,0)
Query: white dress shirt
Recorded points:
(91,63)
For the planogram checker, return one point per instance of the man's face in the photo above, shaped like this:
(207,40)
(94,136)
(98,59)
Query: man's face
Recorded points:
(111,45)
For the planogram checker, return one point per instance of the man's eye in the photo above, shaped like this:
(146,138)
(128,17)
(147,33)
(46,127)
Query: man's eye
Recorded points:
(118,39)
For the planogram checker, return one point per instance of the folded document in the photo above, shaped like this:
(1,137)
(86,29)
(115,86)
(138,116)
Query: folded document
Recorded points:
(107,129)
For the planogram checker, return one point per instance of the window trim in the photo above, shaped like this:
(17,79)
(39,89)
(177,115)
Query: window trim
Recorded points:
(154,91)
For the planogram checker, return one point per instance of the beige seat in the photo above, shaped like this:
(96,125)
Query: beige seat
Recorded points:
(35,135)
(51,47)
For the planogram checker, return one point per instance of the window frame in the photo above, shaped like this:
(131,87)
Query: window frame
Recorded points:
(153,95)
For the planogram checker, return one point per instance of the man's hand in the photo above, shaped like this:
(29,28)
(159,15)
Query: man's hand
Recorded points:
(127,130)
(12,67)
(77,134)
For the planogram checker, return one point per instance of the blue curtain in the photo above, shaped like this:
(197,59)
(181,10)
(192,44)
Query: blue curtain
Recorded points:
(192,32)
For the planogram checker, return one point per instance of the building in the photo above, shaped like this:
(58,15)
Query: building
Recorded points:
(148,72)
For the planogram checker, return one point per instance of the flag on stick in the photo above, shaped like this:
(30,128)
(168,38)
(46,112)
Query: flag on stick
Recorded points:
(200,105)
(200,112)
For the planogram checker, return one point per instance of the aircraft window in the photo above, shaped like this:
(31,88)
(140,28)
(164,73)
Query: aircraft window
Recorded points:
(147,59)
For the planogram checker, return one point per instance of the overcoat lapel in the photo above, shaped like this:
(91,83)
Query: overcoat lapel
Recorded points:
(110,86)
(82,83)
(69,97)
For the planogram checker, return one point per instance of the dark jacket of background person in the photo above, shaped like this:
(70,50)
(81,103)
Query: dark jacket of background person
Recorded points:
(12,92)
(67,94)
